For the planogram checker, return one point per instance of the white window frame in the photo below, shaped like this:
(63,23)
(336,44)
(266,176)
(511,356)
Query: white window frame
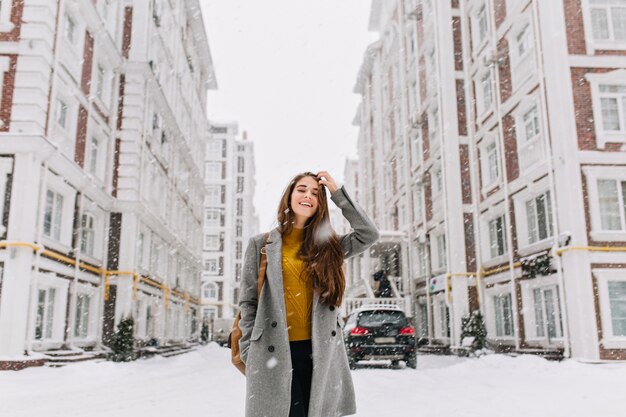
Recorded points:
(88,233)
(46,281)
(530,152)
(57,185)
(212,217)
(214,194)
(208,242)
(92,324)
(211,168)
(439,252)
(528,301)
(617,77)
(217,265)
(440,324)
(498,290)
(5,16)
(523,65)
(210,291)
(483,79)
(519,201)
(606,44)
(480,38)
(490,224)
(604,276)
(592,175)
(490,148)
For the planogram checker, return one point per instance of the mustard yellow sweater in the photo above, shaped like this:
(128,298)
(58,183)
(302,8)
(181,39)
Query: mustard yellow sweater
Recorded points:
(298,288)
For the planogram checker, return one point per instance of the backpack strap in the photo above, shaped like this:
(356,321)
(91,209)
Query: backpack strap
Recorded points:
(262,266)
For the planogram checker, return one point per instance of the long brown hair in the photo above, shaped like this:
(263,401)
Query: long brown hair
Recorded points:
(321,253)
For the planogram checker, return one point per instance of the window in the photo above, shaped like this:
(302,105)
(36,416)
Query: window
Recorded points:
(210,291)
(418,205)
(613,107)
(213,218)
(239,207)
(440,256)
(503,314)
(497,237)
(214,170)
(45,313)
(61,114)
(486,93)
(416,146)
(482,24)
(87,234)
(617,302)
(438,185)
(239,228)
(211,242)
(539,218)
(490,166)
(81,321)
(547,313)
(214,149)
(531,124)
(433,127)
(70,29)
(422,321)
(529,144)
(94,150)
(608,20)
(523,42)
(240,164)
(238,250)
(213,194)
(53,215)
(421,259)
(140,250)
(100,80)
(210,266)
(612,199)
(237,272)
(240,184)
(443,329)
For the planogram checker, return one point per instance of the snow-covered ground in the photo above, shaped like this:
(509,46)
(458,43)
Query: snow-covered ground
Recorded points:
(204,384)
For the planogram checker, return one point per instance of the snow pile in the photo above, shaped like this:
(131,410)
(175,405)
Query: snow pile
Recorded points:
(204,383)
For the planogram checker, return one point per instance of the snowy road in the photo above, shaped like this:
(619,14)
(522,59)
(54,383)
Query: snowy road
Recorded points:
(204,384)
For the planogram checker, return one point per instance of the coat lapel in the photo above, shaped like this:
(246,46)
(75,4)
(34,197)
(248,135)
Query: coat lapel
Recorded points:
(274,252)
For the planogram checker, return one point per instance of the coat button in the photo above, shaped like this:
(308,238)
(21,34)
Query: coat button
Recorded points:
(332,308)
(271,348)
(334,333)
(274,324)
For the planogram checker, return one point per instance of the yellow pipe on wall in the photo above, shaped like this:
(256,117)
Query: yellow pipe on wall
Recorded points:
(107,273)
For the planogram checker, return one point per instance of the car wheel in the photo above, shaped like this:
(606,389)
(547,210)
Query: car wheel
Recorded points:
(351,362)
(411,362)
(395,364)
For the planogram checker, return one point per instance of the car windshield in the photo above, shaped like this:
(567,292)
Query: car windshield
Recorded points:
(380,317)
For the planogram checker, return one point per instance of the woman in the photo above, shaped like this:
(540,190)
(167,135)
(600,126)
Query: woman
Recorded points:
(296,363)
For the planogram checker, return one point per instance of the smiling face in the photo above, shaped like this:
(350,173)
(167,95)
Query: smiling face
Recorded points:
(304,200)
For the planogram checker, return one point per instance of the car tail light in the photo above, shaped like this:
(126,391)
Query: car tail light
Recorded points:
(359,331)
(407,330)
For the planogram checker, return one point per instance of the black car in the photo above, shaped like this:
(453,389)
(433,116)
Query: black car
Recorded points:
(380,332)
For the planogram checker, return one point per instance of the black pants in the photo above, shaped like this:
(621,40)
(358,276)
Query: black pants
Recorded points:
(302,364)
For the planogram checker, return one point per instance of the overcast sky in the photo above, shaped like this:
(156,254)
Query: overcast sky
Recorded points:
(285,71)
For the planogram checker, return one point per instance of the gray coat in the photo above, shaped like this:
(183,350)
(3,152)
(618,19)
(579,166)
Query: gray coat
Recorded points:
(265,342)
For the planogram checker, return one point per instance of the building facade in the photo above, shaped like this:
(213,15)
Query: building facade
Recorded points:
(492,137)
(230,219)
(101,171)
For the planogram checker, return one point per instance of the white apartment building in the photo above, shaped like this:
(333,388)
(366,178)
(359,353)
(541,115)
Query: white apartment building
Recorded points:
(229,219)
(492,137)
(102,130)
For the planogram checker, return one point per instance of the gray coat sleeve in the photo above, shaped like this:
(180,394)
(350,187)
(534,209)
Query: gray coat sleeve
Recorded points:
(248,297)
(364,233)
